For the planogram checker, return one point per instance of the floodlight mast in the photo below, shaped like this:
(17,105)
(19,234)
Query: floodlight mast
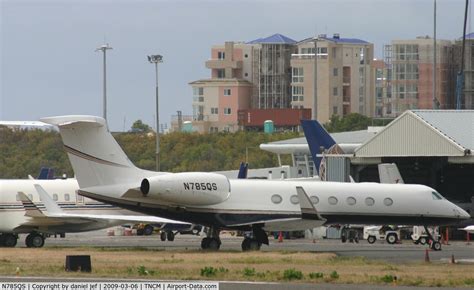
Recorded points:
(104,49)
(156,59)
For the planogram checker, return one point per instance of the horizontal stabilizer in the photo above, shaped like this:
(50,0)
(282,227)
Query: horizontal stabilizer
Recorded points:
(31,210)
(84,120)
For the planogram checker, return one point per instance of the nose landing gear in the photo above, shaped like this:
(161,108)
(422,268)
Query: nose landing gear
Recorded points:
(435,245)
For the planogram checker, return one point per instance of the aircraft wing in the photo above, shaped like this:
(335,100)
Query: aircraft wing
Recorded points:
(54,211)
(123,218)
(310,217)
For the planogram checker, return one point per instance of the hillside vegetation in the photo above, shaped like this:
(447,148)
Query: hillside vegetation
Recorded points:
(24,152)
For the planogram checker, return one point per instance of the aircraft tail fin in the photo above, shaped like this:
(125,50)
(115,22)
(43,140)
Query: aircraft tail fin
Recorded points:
(51,206)
(243,170)
(317,138)
(31,210)
(95,156)
(46,173)
(389,173)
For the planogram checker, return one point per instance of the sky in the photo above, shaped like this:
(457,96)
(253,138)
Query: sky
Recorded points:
(49,65)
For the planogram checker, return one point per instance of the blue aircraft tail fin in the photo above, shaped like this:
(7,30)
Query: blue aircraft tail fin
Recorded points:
(243,170)
(46,173)
(317,138)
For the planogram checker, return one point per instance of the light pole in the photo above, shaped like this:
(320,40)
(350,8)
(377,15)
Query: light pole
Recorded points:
(104,48)
(156,59)
(314,107)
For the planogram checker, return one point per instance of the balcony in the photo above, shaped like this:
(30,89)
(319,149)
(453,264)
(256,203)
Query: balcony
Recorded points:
(201,117)
(223,63)
(308,56)
(198,99)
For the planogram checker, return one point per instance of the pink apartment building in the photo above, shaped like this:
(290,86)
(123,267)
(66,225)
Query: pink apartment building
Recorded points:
(217,100)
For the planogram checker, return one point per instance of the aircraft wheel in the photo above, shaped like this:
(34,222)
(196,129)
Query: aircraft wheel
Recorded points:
(9,240)
(213,244)
(436,246)
(246,244)
(163,236)
(36,240)
(371,239)
(28,241)
(170,236)
(391,238)
(254,245)
(148,230)
(422,240)
(205,243)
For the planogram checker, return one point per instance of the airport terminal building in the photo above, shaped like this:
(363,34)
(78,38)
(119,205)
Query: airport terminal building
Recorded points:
(431,147)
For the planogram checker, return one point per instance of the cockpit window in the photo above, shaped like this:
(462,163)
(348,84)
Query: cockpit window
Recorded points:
(436,196)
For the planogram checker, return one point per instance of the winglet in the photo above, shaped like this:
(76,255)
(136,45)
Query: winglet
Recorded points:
(308,211)
(31,209)
(51,206)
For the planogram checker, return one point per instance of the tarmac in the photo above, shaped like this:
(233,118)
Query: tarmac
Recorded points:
(407,251)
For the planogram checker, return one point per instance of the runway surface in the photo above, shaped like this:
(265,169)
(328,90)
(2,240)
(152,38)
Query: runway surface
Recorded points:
(398,253)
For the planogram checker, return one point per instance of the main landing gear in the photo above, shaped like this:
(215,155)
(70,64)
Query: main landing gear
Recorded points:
(254,243)
(8,240)
(212,242)
(167,235)
(34,240)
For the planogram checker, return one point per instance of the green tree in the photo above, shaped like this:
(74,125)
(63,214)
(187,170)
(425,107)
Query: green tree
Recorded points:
(352,122)
(140,127)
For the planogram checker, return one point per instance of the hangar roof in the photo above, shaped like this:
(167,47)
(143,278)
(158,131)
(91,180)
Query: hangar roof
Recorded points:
(424,133)
(457,125)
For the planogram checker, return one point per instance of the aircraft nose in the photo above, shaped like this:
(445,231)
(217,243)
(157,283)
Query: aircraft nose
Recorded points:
(462,214)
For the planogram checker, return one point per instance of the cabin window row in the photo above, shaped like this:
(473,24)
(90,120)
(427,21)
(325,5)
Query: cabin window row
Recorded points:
(332,200)
(67,197)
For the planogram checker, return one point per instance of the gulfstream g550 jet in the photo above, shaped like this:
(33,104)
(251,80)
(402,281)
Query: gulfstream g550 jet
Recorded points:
(106,174)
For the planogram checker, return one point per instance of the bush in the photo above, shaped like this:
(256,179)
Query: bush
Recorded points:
(223,270)
(334,275)
(469,281)
(143,271)
(208,271)
(317,275)
(249,272)
(292,274)
(388,279)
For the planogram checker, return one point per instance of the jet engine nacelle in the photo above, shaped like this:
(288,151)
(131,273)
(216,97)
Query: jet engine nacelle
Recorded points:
(188,188)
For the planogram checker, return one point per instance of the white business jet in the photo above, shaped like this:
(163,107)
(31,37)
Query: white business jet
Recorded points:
(469,229)
(25,207)
(106,174)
